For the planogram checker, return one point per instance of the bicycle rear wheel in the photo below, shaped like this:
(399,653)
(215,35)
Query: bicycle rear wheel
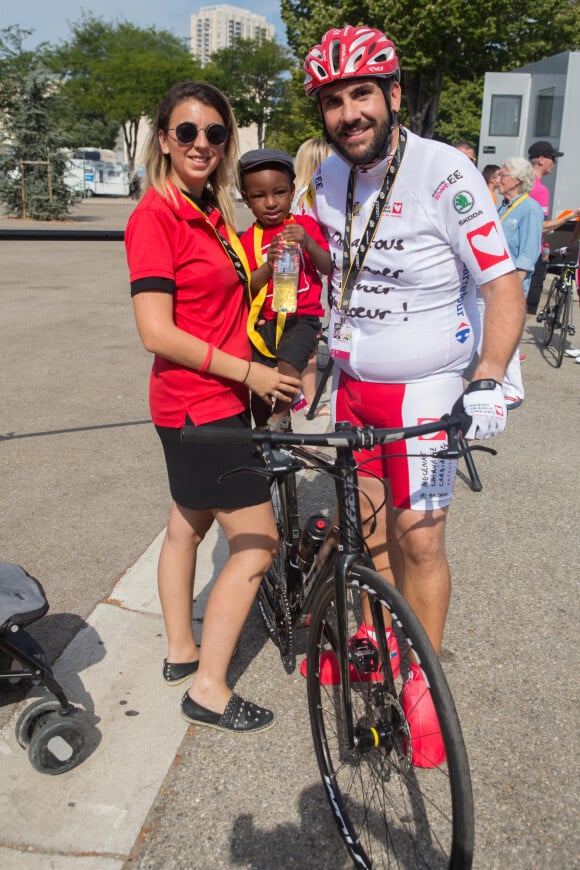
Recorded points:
(564,311)
(388,811)
(548,314)
(273,601)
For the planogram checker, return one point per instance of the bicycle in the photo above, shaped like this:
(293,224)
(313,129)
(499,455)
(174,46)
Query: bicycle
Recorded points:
(557,312)
(387,811)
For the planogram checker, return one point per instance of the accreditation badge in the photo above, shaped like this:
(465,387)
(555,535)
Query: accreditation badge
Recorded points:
(340,336)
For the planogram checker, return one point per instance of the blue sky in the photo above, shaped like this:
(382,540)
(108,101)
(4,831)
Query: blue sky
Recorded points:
(51,19)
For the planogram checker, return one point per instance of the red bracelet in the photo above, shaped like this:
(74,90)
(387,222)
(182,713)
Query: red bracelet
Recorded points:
(205,364)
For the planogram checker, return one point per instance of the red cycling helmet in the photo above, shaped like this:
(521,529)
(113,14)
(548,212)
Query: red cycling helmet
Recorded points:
(348,53)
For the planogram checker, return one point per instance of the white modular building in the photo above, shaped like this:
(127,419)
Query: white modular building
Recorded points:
(540,101)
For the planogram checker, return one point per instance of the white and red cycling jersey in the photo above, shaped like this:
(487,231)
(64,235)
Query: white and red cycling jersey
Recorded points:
(413,313)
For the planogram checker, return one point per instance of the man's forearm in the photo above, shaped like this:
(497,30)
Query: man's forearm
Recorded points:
(505,313)
(553,224)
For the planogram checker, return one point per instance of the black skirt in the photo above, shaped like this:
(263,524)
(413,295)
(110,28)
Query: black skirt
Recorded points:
(194,470)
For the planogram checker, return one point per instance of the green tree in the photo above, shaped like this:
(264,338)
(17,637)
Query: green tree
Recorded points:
(119,73)
(459,113)
(454,40)
(15,63)
(294,118)
(254,75)
(32,164)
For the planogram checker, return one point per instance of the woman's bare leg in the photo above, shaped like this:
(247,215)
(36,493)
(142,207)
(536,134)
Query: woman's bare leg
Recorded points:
(186,529)
(253,541)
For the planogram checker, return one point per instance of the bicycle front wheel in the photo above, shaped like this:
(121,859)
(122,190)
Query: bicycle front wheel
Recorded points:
(389,811)
(549,313)
(564,309)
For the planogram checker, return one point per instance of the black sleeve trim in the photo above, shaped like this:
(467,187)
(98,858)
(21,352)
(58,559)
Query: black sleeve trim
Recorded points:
(143,285)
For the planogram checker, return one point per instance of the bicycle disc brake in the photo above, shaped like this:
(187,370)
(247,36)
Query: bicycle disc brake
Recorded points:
(384,728)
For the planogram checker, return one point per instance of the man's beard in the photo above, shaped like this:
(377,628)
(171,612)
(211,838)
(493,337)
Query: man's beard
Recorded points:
(377,150)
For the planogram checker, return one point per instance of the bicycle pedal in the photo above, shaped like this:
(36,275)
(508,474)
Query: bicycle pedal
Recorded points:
(540,317)
(571,330)
(364,655)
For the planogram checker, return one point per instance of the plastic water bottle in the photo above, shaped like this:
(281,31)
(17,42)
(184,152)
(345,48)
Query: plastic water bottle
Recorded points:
(285,279)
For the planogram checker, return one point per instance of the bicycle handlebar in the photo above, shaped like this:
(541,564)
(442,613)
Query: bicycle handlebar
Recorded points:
(345,435)
(563,258)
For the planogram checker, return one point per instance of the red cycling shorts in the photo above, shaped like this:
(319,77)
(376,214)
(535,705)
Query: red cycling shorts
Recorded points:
(417,480)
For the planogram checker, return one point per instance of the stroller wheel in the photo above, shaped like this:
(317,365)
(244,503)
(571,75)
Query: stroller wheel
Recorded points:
(33,714)
(57,744)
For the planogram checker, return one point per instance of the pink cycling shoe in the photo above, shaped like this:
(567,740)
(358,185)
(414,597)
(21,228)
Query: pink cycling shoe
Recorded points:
(329,670)
(426,741)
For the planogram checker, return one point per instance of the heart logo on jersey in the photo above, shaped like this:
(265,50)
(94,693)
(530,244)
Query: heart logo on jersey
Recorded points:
(487,245)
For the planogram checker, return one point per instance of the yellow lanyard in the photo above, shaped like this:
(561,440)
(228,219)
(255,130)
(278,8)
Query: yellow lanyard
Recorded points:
(232,246)
(513,205)
(239,261)
(258,300)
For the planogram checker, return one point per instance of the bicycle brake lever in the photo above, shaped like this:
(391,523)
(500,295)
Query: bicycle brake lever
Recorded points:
(277,463)
(460,453)
(481,447)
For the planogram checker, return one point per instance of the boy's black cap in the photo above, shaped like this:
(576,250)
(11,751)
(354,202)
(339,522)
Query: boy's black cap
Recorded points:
(252,160)
(543,149)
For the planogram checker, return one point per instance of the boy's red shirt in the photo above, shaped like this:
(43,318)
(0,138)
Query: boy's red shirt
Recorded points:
(309,282)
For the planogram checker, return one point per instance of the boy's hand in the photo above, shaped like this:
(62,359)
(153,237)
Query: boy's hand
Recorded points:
(293,232)
(274,251)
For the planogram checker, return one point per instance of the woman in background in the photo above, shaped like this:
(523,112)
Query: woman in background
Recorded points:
(309,156)
(522,219)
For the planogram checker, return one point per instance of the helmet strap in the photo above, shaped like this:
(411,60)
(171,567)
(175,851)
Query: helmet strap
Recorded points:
(385,86)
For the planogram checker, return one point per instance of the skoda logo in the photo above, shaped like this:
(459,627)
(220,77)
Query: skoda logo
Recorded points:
(463,202)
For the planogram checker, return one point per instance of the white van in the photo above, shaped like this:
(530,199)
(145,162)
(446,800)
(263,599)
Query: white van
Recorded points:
(94,172)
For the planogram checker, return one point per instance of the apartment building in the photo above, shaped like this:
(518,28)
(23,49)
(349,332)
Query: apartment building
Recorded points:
(216,27)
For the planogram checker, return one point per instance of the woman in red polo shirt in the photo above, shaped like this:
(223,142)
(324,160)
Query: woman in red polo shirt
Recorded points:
(189,287)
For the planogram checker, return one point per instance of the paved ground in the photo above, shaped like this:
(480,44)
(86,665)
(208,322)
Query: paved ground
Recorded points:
(82,505)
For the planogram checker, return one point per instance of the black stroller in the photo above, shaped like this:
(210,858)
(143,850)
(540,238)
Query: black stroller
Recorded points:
(49,728)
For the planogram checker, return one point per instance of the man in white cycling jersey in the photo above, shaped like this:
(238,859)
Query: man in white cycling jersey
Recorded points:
(412,230)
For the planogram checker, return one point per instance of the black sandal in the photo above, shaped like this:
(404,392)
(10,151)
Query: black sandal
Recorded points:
(239,716)
(176,673)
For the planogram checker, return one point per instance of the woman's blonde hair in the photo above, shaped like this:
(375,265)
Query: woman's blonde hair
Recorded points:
(523,171)
(309,156)
(158,165)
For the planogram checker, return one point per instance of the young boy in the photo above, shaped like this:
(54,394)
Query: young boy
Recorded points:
(267,187)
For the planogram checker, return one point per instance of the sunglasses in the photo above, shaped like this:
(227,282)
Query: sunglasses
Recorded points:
(187,132)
